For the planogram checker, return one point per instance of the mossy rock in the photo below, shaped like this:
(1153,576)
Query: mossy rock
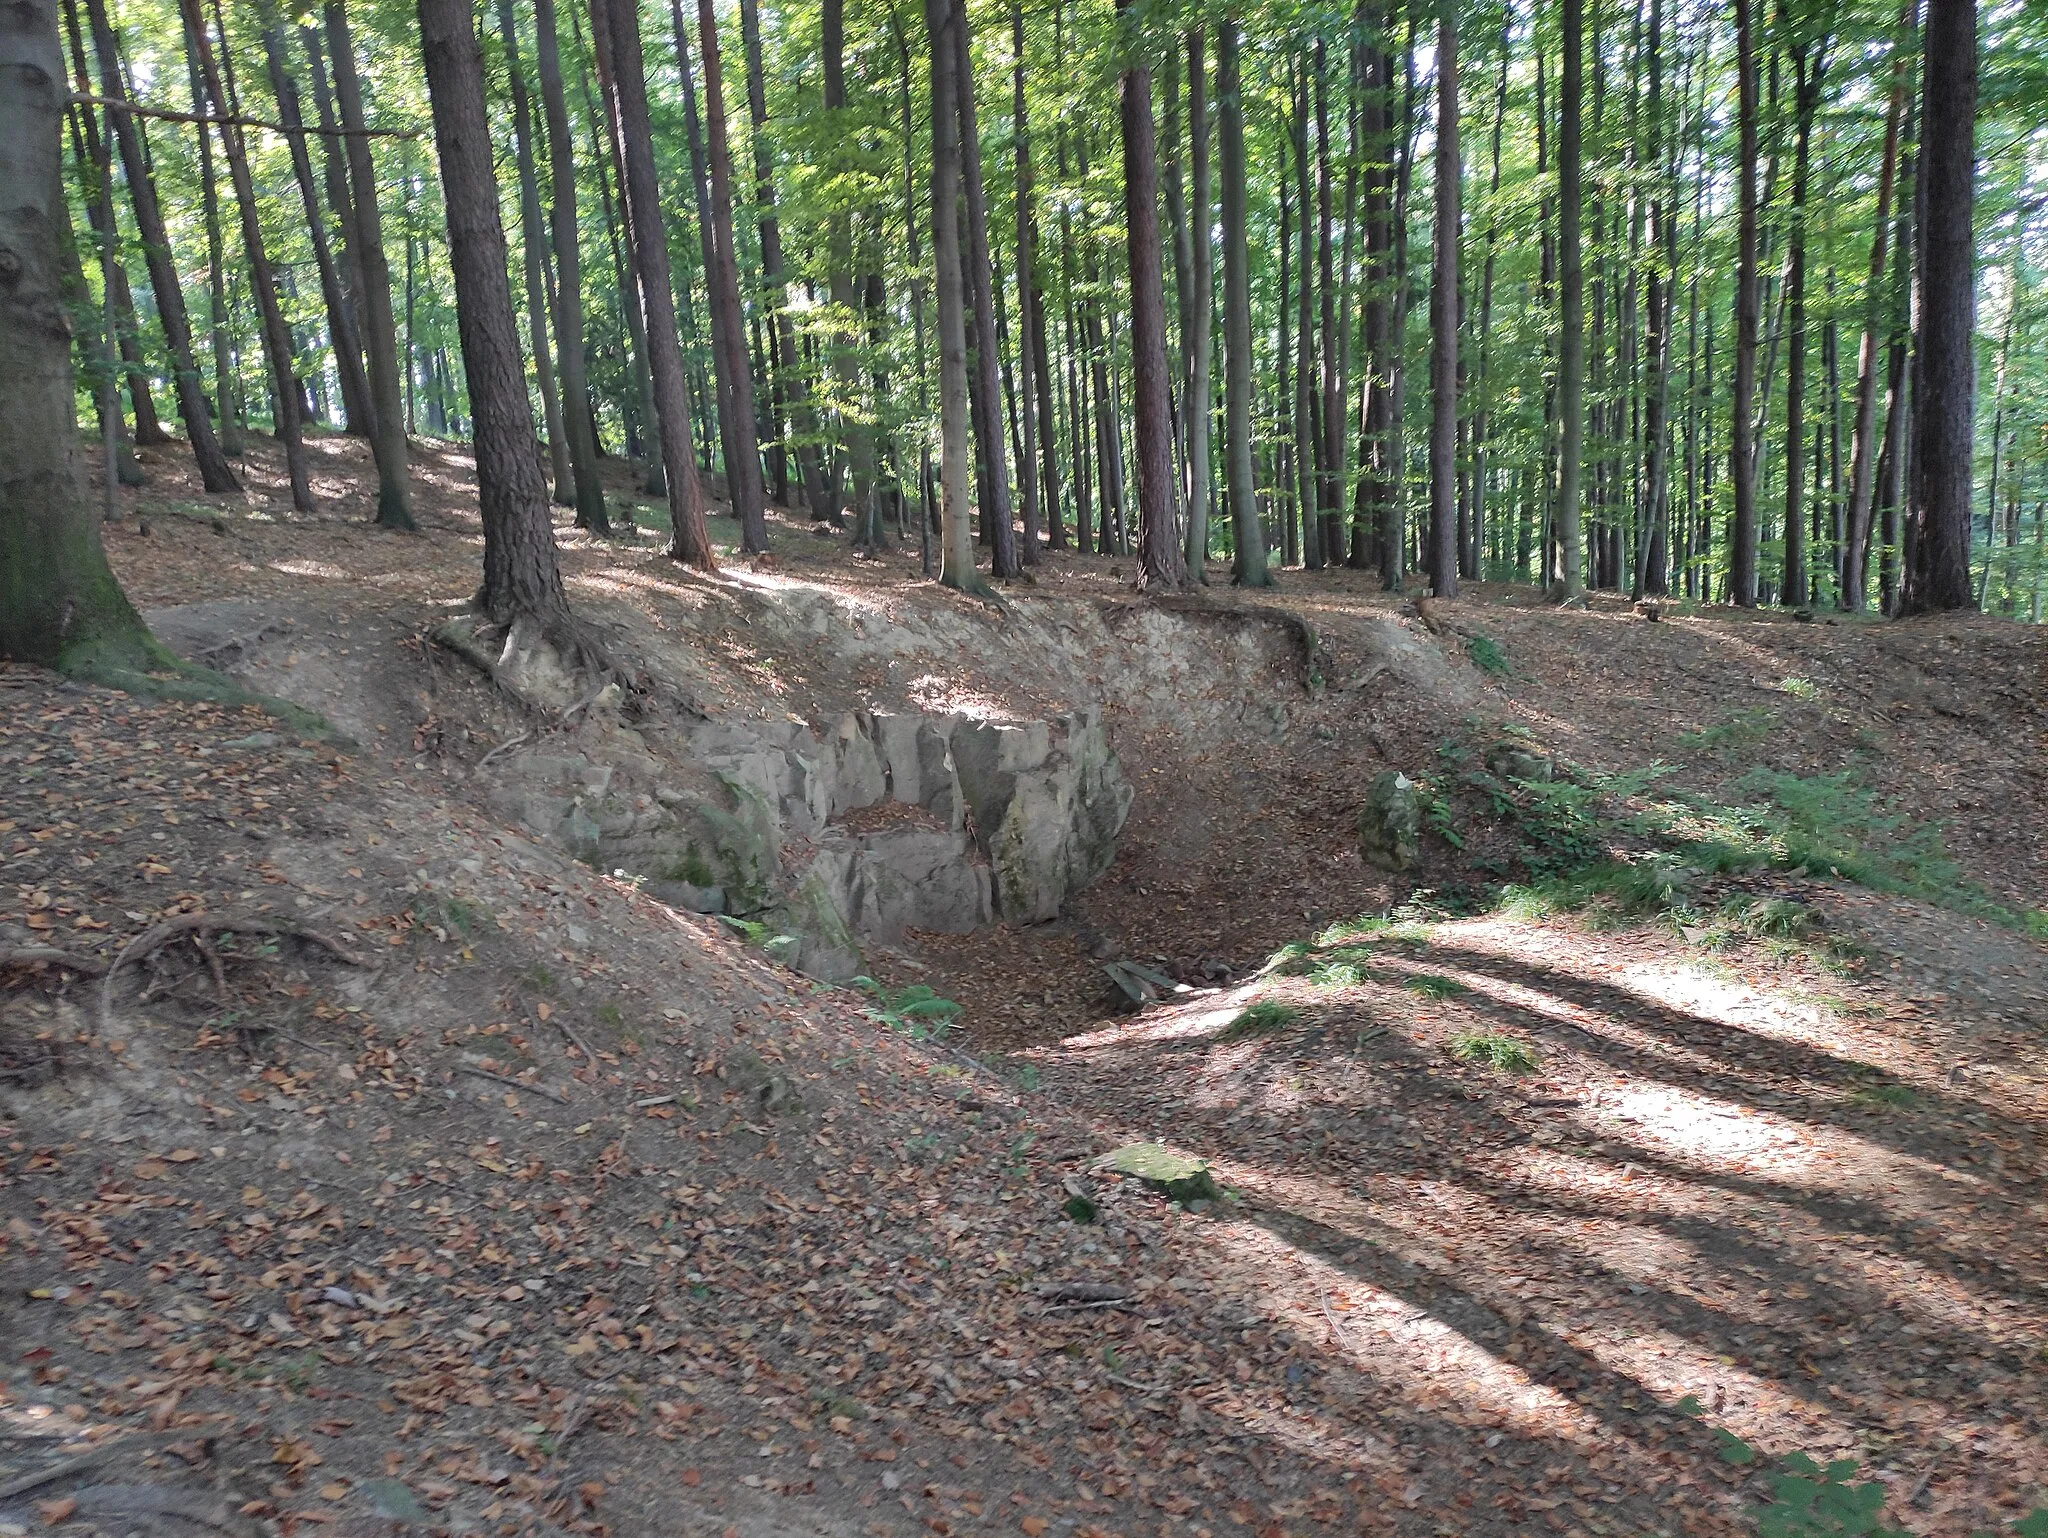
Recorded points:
(1175,1176)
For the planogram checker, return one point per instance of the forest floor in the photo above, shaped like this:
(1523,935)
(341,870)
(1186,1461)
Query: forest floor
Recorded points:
(465,1188)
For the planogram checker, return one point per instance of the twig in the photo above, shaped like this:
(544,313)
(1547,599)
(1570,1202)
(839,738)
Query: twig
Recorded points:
(504,747)
(206,923)
(541,1090)
(652,1100)
(1133,1383)
(1064,1308)
(49,955)
(1084,1292)
(169,116)
(220,976)
(575,1416)
(578,1043)
(1336,1329)
(14,1489)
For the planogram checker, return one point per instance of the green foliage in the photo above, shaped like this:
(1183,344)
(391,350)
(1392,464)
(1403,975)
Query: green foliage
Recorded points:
(1739,729)
(1881,1096)
(1260,1019)
(1488,655)
(916,1011)
(1504,1054)
(1340,971)
(1818,1501)
(1799,688)
(1432,986)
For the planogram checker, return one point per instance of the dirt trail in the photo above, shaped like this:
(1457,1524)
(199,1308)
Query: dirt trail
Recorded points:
(561,1211)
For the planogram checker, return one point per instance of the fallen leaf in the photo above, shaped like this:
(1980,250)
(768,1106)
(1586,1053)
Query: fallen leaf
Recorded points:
(56,1511)
(149,1169)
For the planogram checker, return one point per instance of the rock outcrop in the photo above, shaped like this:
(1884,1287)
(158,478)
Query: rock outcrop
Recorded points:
(857,831)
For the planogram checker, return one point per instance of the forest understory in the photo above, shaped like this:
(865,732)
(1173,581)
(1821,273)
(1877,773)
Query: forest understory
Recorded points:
(371,1166)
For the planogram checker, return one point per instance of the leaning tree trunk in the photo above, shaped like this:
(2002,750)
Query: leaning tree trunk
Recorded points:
(1937,572)
(59,603)
(744,474)
(1248,568)
(615,28)
(568,293)
(214,472)
(1443,319)
(1159,555)
(534,244)
(380,328)
(276,335)
(357,410)
(522,576)
(956,534)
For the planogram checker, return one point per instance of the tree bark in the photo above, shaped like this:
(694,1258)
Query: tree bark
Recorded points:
(615,29)
(1202,281)
(1248,537)
(276,335)
(568,290)
(1160,561)
(59,603)
(1571,345)
(1028,363)
(986,383)
(744,473)
(214,471)
(956,561)
(1937,571)
(1742,554)
(522,576)
(1443,318)
(1810,71)
(389,388)
(534,248)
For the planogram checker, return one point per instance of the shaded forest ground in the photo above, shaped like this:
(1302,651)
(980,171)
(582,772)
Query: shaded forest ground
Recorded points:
(715,1250)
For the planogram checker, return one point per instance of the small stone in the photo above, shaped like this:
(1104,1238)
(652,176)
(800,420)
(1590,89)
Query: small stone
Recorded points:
(1390,822)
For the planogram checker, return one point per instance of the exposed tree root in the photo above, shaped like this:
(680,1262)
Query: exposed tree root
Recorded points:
(50,955)
(201,927)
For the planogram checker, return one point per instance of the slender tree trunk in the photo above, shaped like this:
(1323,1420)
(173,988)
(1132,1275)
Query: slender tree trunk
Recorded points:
(1039,491)
(1863,434)
(214,471)
(229,427)
(856,435)
(1937,569)
(1160,560)
(1571,347)
(985,383)
(1307,397)
(534,246)
(744,475)
(522,578)
(1376,488)
(823,495)
(1742,554)
(1810,71)
(1329,404)
(1202,283)
(1443,308)
(1248,567)
(388,398)
(276,335)
(568,291)
(956,565)
(615,30)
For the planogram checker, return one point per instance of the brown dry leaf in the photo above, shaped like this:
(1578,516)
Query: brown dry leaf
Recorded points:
(58,1510)
(1033,1526)
(149,1169)
(182,1155)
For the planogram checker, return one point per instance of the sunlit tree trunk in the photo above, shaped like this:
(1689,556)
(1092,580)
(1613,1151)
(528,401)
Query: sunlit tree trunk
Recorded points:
(1248,567)
(1443,318)
(956,561)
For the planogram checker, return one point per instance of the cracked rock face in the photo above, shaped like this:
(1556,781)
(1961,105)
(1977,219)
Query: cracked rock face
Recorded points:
(858,830)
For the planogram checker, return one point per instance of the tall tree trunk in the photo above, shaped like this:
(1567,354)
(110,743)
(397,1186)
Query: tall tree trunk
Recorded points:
(59,603)
(534,248)
(1652,555)
(380,330)
(986,385)
(1571,346)
(1329,404)
(615,29)
(522,577)
(1160,561)
(1028,340)
(1443,313)
(858,436)
(789,379)
(357,412)
(1248,567)
(822,496)
(1937,570)
(1032,300)
(1863,434)
(276,336)
(227,422)
(1307,395)
(956,564)
(1376,489)
(1809,71)
(1202,282)
(744,475)
(214,471)
(568,291)
(1742,554)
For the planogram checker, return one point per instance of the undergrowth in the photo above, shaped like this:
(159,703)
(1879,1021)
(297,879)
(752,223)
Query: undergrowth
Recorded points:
(1261,1019)
(1504,1054)
(917,1011)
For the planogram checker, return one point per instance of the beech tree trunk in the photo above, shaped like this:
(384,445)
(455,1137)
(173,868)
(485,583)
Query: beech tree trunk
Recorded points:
(214,472)
(276,335)
(1742,554)
(1202,314)
(1571,295)
(615,29)
(985,385)
(522,576)
(1248,564)
(956,535)
(1027,297)
(389,396)
(1160,561)
(534,248)
(1443,318)
(744,473)
(1937,571)
(568,292)
(59,603)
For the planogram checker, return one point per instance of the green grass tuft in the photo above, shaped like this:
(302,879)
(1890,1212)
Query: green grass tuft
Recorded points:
(1261,1019)
(1432,986)
(1487,655)
(1504,1054)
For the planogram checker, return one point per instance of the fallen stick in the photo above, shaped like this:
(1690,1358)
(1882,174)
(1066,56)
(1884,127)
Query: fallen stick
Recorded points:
(541,1090)
(14,1489)
(50,955)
